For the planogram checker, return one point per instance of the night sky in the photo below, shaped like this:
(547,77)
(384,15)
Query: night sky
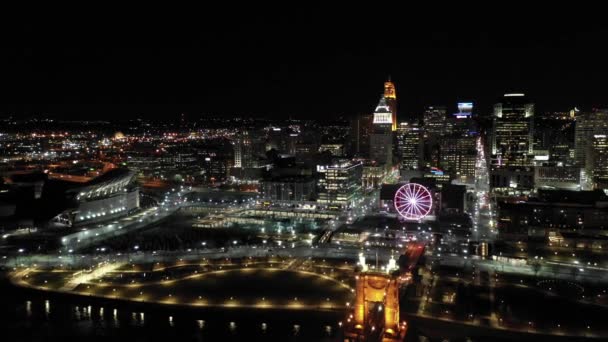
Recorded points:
(294,66)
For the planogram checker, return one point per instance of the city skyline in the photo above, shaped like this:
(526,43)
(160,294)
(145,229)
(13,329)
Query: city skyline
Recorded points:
(305,178)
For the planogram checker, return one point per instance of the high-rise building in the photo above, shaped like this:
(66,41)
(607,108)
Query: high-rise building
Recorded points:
(338,183)
(587,125)
(457,150)
(409,145)
(434,121)
(282,140)
(458,156)
(597,161)
(513,131)
(554,138)
(391,100)
(461,122)
(360,132)
(381,139)
(243,150)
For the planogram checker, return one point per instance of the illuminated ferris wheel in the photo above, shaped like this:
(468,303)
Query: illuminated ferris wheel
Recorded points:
(413,201)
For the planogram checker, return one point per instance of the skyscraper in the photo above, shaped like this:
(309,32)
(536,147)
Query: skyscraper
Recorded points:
(434,127)
(381,139)
(597,161)
(360,131)
(457,147)
(391,100)
(587,125)
(513,131)
(409,145)
(461,122)
(243,151)
(434,121)
(458,156)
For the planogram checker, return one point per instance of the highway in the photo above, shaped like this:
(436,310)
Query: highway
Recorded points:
(82,260)
(547,270)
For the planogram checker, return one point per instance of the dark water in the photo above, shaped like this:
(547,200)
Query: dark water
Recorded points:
(28,316)
(34,316)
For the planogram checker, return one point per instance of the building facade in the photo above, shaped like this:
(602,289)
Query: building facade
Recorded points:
(381,139)
(458,156)
(555,211)
(409,145)
(557,177)
(597,161)
(513,131)
(587,125)
(109,196)
(434,121)
(360,133)
(288,188)
(390,94)
(338,183)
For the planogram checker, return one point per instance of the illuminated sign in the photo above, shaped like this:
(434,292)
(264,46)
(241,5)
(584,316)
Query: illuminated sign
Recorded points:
(436,171)
(383,118)
(465,107)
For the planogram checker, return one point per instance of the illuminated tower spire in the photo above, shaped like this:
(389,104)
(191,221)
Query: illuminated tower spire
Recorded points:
(391,99)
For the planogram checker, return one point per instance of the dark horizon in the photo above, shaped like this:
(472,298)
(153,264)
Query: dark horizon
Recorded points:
(279,70)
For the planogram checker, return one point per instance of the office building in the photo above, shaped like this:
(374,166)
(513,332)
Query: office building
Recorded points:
(360,133)
(409,145)
(597,161)
(338,183)
(458,156)
(512,181)
(288,188)
(587,125)
(461,123)
(513,131)
(434,120)
(381,139)
(243,151)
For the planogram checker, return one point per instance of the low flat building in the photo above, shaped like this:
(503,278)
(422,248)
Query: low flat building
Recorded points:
(561,211)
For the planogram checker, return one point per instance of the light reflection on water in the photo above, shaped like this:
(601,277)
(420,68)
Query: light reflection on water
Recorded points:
(28,308)
(89,319)
(47,308)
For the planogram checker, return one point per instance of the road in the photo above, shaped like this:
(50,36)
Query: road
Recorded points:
(548,270)
(484,210)
(74,259)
